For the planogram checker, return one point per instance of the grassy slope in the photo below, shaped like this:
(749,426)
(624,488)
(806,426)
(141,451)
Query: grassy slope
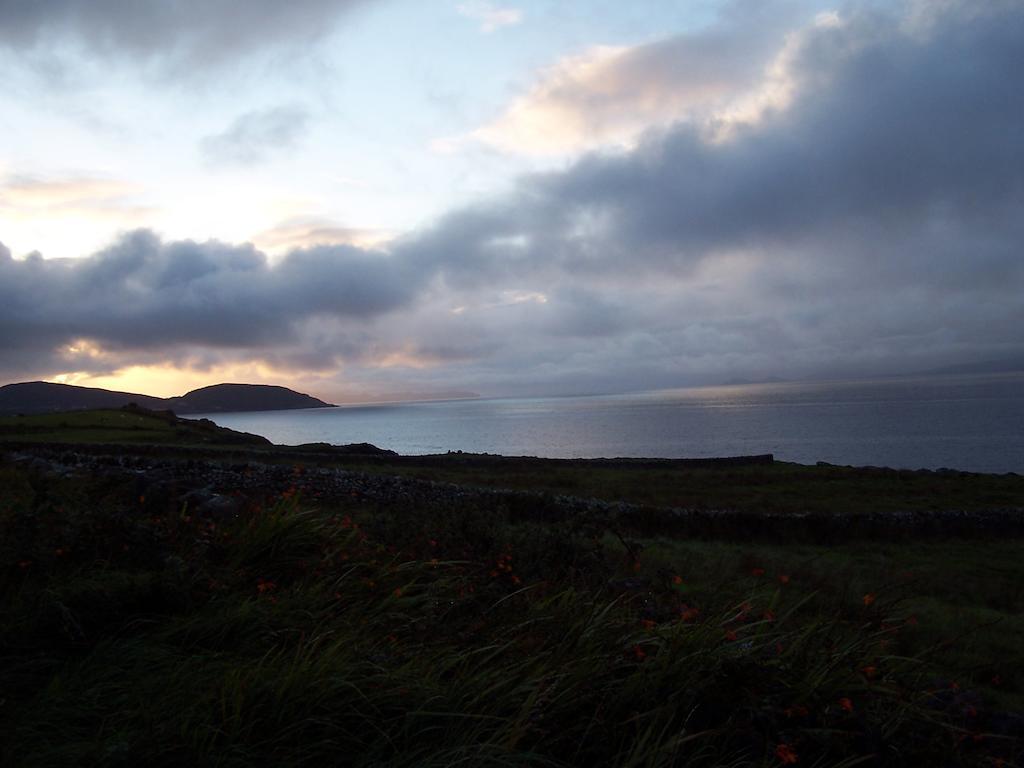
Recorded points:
(113,427)
(391,635)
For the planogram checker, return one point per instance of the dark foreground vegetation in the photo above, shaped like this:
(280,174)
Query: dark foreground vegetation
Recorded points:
(233,604)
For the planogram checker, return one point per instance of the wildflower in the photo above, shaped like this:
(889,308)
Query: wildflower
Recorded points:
(688,613)
(730,635)
(912,621)
(870,672)
(996,679)
(516,580)
(783,578)
(397,592)
(23,564)
(786,755)
(264,585)
(677,580)
(869,598)
(845,704)
(769,615)
(142,499)
(648,623)
(638,653)
(798,710)
(757,572)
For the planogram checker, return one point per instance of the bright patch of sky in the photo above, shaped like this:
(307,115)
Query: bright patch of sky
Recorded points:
(370,107)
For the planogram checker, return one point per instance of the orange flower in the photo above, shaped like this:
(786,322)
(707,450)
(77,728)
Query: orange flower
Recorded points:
(846,704)
(869,598)
(870,672)
(786,755)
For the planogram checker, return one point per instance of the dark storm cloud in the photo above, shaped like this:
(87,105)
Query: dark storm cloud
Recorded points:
(189,31)
(251,137)
(144,294)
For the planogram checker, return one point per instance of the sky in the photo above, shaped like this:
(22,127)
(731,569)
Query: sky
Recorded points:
(379,199)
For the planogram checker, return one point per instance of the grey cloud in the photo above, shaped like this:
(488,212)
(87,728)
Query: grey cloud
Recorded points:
(253,136)
(189,32)
(872,226)
(144,294)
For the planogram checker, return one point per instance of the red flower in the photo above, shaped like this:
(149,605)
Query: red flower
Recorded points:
(846,704)
(784,578)
(758,572)
(870,672)
(677,580)
(730,634)
(786,755)
(869,598)
(648,623)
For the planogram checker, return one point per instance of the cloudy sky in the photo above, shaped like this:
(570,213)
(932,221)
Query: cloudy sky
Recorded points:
(378,198)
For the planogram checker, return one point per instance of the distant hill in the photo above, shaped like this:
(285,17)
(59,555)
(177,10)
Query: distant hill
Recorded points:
(1010,365)
(44,397)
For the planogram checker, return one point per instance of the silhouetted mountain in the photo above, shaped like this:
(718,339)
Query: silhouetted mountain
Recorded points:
(42,397)
(243,397)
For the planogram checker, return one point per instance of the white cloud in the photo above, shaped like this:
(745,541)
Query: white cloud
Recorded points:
(608,96)
(490,16)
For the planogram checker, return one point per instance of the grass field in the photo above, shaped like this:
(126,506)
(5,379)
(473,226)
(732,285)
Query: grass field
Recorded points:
(125,426)
(342,632)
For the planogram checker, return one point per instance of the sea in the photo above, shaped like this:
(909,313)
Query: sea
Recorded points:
(965,422)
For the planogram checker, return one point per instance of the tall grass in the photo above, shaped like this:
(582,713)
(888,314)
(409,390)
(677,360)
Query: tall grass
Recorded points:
(358,636)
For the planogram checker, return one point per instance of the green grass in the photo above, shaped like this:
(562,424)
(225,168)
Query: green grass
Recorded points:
(113,427)
(134,631)
(774,488)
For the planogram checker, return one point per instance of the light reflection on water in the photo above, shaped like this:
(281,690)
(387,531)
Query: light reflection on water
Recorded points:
(964,422)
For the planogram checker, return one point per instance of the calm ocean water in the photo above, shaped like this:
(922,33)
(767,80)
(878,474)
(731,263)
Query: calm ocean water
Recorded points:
(972,423)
